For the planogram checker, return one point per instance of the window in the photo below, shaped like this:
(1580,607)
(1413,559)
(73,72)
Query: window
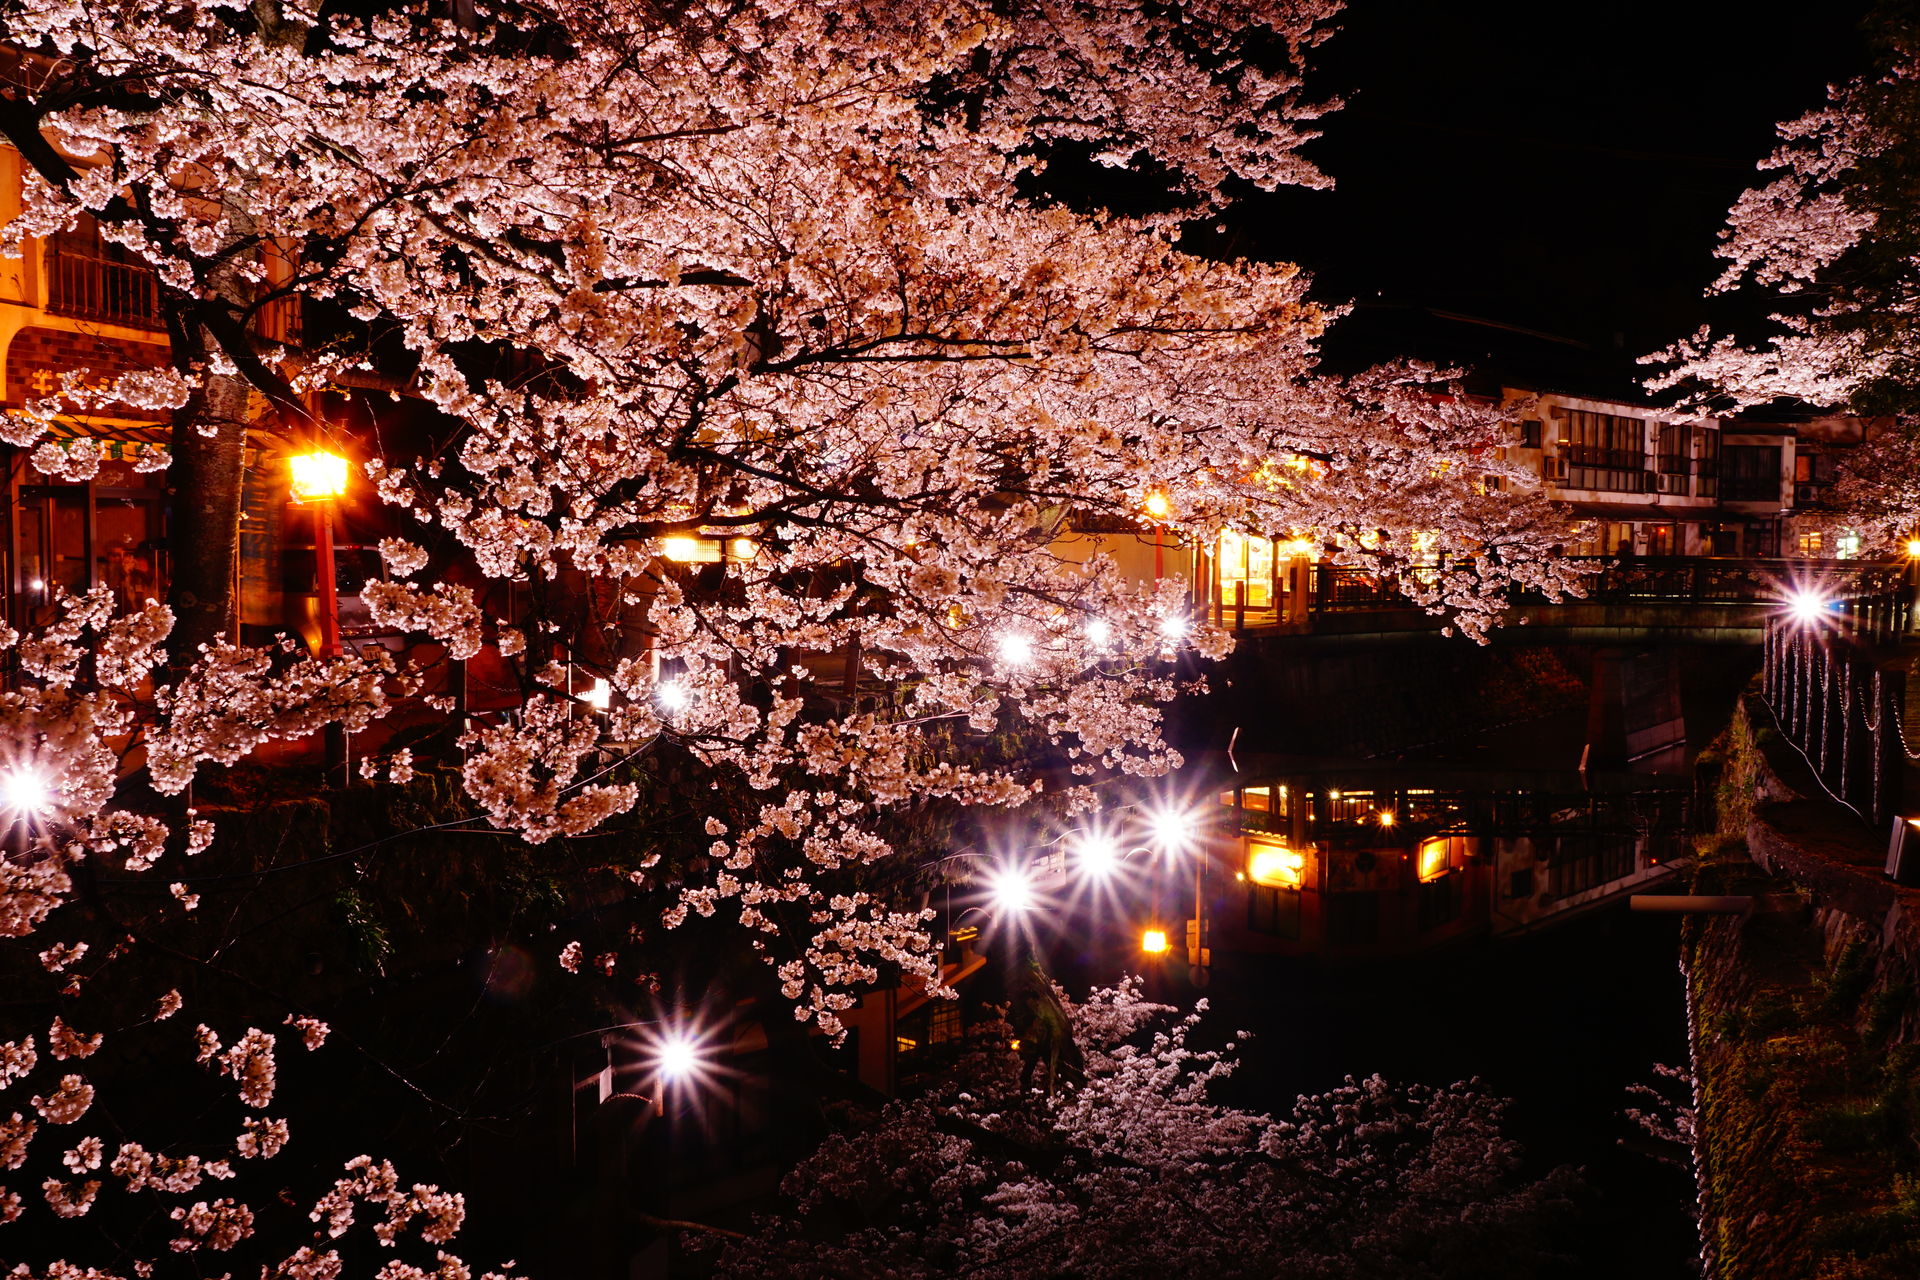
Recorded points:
(110,532)
(1275,866)
(1750,473)
(1530,434)
(1244,571)
(1707,463)
(1675,454)
(1440,901)
(91,279)
(1261,808)
(1813,468)
(1605,452)
(1274,911)
(1353,919)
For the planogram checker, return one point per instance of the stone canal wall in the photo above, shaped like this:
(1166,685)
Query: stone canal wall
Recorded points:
(1805,1028)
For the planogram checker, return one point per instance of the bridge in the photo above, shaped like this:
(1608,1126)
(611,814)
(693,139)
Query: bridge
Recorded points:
(1698,600)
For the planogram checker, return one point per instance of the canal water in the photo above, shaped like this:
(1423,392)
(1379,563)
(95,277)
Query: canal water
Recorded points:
(1561,1022)
(1561,1019)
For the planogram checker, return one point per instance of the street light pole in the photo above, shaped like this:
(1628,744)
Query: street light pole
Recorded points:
(329,581)
(319,477)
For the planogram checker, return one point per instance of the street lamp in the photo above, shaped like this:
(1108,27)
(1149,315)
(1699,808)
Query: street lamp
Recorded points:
(1016,650)
(319,477)
(23,790)
(672,696)
(1808,606)
(1012,890)
(1158,507)
(676,1058)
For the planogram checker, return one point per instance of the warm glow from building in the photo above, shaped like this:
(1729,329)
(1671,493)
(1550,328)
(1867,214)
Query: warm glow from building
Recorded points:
(1276,866)
(1154,942)
(1434,858)
(600,696)
(686,550)
(317,475)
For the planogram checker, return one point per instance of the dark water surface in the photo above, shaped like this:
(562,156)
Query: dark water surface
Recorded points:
(1561,1022)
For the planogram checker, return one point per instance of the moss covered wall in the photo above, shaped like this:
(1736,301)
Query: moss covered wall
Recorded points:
(1803,1020)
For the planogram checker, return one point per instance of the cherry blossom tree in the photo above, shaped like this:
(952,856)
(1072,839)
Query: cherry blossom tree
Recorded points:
(777,275)
(786,279)
(1134,1171)
(1835,238)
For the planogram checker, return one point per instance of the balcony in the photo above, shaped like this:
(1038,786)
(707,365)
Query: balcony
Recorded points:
(1750,488)
(92,286)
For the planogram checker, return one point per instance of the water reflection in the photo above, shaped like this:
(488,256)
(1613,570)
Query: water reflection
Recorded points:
(1364,862)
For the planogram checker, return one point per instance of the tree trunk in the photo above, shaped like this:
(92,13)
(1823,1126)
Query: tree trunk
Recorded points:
(204,480)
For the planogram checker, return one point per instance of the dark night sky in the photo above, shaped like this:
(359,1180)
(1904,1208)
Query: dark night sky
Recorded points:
(1559,168)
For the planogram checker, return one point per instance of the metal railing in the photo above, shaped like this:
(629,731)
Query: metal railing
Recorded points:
(1870,594)
(86,287)
(1842,700)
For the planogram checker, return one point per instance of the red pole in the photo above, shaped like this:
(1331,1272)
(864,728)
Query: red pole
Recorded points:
(329,584)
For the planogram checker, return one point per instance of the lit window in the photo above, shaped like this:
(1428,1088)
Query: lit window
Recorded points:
(1436,858)
(686,550)
(1276,866)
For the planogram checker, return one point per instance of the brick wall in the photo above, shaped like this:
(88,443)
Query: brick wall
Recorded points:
(37,357)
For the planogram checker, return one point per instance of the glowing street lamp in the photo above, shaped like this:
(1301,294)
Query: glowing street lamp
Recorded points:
(1808,606)
(1158,507)
(1012,890)
(317,475)
(1913,548)
(24,791)
(320,477)
(1016,650)
(1154,942)
(600,696)
(672,696)
(676,1058)
(1172,830)
(1099,856)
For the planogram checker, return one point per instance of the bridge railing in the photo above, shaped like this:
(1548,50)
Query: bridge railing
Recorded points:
(1871,595)
(1842,700)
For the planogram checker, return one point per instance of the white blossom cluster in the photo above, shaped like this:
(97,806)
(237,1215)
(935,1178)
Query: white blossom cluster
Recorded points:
(1131,1169)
